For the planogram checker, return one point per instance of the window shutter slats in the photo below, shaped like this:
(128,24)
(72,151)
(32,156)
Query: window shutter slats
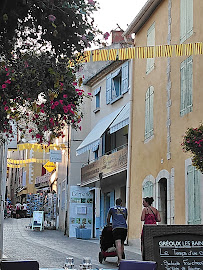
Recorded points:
(190,176)
(108,89)
(125,78)
(150,42)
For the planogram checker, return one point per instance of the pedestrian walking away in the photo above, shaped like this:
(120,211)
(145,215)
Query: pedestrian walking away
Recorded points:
(150,215)
(119,226)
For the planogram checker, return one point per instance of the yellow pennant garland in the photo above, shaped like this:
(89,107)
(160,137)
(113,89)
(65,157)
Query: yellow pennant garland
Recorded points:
(141,52)
(40,147)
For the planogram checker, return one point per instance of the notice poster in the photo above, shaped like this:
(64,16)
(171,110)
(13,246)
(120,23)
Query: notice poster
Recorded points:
(81,209)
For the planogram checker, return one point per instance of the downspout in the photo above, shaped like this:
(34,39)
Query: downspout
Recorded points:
(129,142)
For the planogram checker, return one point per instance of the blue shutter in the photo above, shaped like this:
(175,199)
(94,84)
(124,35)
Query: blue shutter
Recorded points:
(147,189)
(190,177)
(147,114)
(183,8)
(125,78)
(189,22)
(102,220)
(186,19)
(150,42)
(108,89)
(112,199)
(197,197)
(151,110)
(194,198)
(189,83)
(183,87)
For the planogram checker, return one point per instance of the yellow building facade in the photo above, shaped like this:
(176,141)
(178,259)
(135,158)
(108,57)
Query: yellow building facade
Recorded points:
(166,100)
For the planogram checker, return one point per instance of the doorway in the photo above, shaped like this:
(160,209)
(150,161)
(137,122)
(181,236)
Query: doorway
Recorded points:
(163,200)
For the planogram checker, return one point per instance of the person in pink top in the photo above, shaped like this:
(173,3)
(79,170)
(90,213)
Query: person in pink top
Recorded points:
(150,215)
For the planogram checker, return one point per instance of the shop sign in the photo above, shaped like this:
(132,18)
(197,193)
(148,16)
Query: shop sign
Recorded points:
(42,181)
(107,165)
(50,166)
(55,156)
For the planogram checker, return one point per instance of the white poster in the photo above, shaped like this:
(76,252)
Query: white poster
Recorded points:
(81,209)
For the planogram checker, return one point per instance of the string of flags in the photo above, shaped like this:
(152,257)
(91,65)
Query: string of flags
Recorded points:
(18,163)
(141,52)
(40,147)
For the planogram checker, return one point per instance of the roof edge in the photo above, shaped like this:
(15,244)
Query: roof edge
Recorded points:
(142,17)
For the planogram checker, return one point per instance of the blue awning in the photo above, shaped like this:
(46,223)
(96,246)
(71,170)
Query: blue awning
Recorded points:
(122,120)
(92,140)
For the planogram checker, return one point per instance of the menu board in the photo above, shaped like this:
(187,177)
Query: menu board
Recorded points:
(179,251)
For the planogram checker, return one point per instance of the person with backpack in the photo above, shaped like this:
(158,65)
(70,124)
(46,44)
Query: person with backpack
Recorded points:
(119,226)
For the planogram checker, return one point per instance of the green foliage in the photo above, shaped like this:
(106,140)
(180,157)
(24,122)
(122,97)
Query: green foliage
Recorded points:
(61,26)
(41,94)
(38,89)
(193,142)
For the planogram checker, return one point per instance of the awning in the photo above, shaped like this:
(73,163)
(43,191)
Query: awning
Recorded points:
(93,138)
(122,120)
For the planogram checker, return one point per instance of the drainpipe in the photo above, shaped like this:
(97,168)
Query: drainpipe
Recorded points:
(129,142)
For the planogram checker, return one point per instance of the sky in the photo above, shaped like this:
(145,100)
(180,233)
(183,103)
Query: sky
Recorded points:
(113,12)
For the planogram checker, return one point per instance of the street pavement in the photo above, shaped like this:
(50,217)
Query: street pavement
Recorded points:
(51,247)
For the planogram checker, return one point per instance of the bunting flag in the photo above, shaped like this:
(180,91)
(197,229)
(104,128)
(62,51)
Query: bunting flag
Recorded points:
(142,52)
(26,161)
(40,147)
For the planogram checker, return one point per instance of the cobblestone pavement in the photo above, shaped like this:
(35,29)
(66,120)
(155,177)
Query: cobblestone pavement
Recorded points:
(50,247)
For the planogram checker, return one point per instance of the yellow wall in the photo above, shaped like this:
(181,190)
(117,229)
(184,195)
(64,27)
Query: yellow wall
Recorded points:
(146,157)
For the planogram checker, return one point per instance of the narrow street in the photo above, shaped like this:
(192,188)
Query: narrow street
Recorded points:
(50,247)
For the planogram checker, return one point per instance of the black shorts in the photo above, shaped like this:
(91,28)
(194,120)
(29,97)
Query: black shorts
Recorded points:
(119,234)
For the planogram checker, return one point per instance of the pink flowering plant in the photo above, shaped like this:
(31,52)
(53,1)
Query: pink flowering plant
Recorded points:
(41,94)
(193,142)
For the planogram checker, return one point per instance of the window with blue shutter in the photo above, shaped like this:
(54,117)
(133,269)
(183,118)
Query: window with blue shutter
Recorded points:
(150,42)
(147,189)
(186,19)
(194,196)
(125,78)
(117,83)
(97,97)
(186,85)
(108,89)
(149,107)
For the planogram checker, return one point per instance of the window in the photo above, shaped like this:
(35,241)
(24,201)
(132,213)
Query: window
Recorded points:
(150,42)
(117,83)
(97,98)
(149,100)
(194,198)
(147,189)
(186,74)
(186,19)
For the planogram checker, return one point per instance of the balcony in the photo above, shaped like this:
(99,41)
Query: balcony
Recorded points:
(109,164)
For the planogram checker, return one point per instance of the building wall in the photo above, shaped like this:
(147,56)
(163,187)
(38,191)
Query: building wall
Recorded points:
(162,156)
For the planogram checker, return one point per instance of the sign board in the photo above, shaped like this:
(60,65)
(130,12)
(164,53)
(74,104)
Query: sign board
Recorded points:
(50,166)
(174,247)
(81,209)
(55,156)
(38,220)
(42,181)
(107,165)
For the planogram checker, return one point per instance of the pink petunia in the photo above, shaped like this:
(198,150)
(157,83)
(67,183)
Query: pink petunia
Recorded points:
(30,130)
(91,2)
(4,103)
(42,111)
(6,69)
(38,136)
(6,108)
(106,35)
(65,96)
(51,120)
(52,106)
(56,103)
(7,74)
(3,85)
(89,94)
(42,105)
(8,81)
(74,83)
(61,83)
